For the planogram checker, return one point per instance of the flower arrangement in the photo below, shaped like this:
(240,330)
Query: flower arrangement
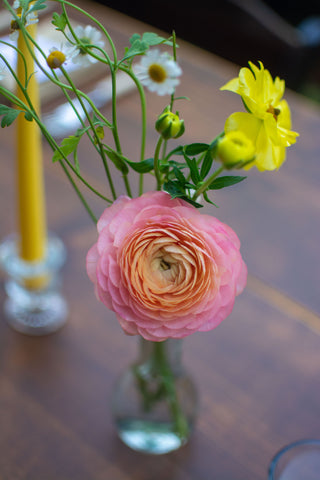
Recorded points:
(162,266)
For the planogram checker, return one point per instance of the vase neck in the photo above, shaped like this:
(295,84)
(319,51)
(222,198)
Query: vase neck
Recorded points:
(169,351)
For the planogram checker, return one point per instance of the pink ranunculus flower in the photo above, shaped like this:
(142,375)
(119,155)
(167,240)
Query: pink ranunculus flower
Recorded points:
(164,268)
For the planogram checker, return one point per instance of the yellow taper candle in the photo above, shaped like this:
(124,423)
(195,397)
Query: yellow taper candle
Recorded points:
(30,181)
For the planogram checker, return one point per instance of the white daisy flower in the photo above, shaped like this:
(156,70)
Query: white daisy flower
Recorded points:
(58,56)
(158,72)
(88,35)
(30,18)
(14,35)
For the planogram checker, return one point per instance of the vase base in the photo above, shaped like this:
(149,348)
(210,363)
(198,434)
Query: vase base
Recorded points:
(34,304)
(38,321)
(149,437)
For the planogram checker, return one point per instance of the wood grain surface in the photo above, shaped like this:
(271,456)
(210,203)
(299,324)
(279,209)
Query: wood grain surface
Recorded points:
(257,373)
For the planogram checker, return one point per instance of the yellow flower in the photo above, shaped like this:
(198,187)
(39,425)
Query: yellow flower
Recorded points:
(268,123)
(235,150)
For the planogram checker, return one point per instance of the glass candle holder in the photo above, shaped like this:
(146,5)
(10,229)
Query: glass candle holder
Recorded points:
(298,461)
(34,303)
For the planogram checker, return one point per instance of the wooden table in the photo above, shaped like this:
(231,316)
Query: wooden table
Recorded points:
(258,373)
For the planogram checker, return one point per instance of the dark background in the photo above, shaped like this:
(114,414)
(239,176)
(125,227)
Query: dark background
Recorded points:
(284,35)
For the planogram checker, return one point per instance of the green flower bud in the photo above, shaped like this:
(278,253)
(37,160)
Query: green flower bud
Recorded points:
(235,149)
(169,125)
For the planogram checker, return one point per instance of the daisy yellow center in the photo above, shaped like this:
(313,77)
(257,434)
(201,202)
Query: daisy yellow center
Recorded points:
(14,25)
(56,59)
(157,73)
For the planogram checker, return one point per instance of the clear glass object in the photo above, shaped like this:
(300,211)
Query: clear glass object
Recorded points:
(34,304)
(298,461)
(154,401)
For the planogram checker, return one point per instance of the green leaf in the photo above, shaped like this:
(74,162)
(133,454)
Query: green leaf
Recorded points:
(145,166)
(176,190)
(153,39)
(118,161)
(194,172)
(140,45)
(24,4)
(207,199)
(137,48)
(99,134)
(206,165)
(134,37)
(38,5)
(59,21)
(81,131)
(28,116)
(173,163)
(68,146)
(214,145)
(195,148)
(176,151)
(191,150)
(226,181)
(9,115)
(179,175)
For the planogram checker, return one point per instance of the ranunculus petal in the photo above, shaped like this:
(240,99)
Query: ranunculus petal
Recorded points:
(165,269)
(91,262)
(110,212)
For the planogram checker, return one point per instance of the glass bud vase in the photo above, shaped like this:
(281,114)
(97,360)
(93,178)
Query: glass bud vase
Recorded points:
(155,401)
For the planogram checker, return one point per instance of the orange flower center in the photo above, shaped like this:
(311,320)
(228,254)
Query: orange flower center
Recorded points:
(274,111)
(167,269)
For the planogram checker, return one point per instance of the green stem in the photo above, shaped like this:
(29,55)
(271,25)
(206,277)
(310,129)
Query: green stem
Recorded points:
(156,163)
(206,184)
(94,20)
(81,197)
(143,120)
(168,381)
(127,184)
(87,47)
(55,80)
(115,132)
(174,48)
(54,147)
(97,139)
(8,65)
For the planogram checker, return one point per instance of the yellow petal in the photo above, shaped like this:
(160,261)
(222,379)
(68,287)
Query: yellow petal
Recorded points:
(268,156)
(278,90)
(247,123)
(232,85)
(284,124)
